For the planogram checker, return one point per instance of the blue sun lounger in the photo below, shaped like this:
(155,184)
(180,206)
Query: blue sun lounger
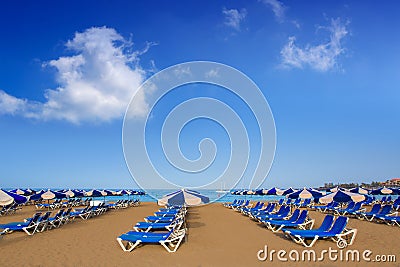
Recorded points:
(350,209)
(364,215)
(297,220)
(292,218)
(159,219)
(243,205)
(151,226)
(259,206)
(171,213)
(327,207)
(338,233)
(228,204)
(282,213)
(386,210)
(266,210)
(42,222)
(56,221)
(28,227)
(235,203)
(169,240)
(396,204)
(306,203)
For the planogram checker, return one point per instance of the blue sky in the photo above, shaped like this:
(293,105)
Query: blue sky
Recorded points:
(329,69)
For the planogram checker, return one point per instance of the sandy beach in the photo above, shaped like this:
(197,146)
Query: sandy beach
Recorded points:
(217,236)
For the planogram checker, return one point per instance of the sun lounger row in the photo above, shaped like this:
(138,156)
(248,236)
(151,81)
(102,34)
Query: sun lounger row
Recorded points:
(90,211)
(388,200)
(9,209)
(39,222)
(166,227)
(122,204)
(387,213)
(54,205)
(297,225)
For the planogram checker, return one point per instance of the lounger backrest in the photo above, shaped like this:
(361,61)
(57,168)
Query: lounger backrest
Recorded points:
(357,206)
(45,216)
(272,207)
(339,225)
(396,203)
(326,223)
(375,208)
(67,212)
(385,210)
(295,215)
(284,212)
(302,217)
(282,209)
(35,218)
(351,205)
(59,213)
(280,201)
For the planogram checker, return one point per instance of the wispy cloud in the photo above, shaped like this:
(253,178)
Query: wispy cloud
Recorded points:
(234,17)
(277,7)
(95,84)
(322,57)
(10,104)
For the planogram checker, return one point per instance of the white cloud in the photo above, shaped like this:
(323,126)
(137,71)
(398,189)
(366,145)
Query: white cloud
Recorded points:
(234,17)
(10,104)
(277,7)
(321,57)
(95,84)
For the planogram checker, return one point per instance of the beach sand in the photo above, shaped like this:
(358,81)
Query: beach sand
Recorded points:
(217,236)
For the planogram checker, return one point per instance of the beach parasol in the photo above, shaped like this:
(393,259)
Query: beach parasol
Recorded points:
(74,193)
(107,192)
(20,191)
(305,193)
(342,196)
(396,191)
(7,198)
(382,191)
(261,192)
(359,190)
(48,195)
(94,193)
(183,197)
(288,191)
(335,189)
(271,192)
